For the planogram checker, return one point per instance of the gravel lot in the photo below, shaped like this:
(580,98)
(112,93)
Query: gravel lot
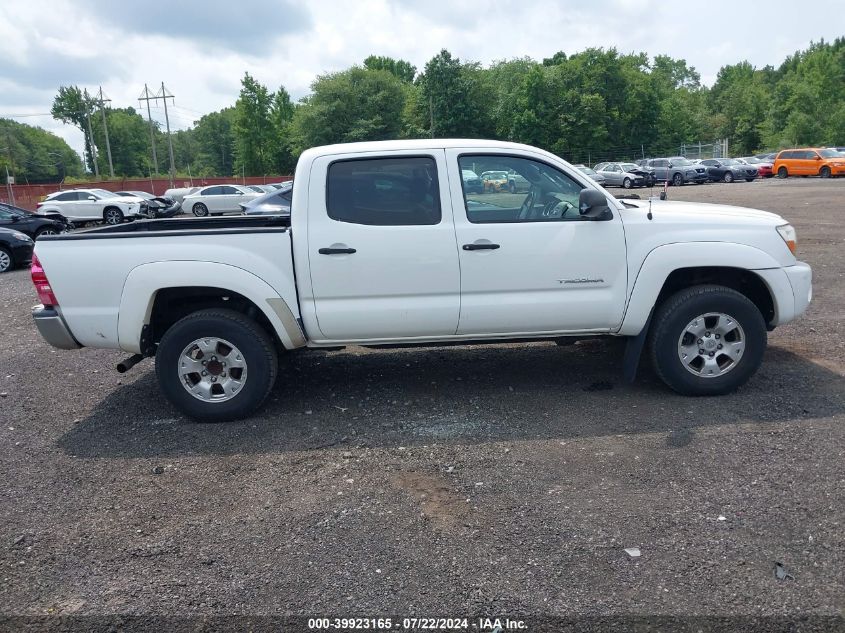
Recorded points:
(503,480)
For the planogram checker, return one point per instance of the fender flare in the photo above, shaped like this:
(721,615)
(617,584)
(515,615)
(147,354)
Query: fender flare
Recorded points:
(664,260)
(143,283)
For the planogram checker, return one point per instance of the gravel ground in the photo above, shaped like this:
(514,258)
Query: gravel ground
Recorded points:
(503,480)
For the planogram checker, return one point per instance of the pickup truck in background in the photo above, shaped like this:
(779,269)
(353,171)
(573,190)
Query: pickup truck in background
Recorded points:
(385,246)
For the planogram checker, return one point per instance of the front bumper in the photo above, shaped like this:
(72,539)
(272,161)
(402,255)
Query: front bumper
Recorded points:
(800,277)
(53,328)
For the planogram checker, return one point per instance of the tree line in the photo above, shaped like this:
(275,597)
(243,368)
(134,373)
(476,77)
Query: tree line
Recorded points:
(598,103)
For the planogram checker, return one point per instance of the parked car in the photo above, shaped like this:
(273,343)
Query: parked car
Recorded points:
(517,182)
(625,175)
(472,183)
(27,222)
(677,170)
(92,205)
(277,202)
(157,206)
(770,158)
(598,177)
(178,193)
(15,249)
(809,162)
(494,181)
(262,189)
(218,199)
(764,168)
(384,252)
(728,170)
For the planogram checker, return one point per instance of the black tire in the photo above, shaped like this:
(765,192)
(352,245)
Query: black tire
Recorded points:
(112,216)
(199,210)
(678,180)
(627,184)
(824,172)
(782,173)
(673,315)
(254,343)
(728,177)
(7,262)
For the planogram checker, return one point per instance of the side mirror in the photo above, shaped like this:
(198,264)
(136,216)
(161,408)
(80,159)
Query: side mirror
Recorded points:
(818,157)
(16,218)
(94,198)
(592,205)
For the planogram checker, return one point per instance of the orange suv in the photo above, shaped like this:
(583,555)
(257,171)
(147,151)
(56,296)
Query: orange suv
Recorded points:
(809,162)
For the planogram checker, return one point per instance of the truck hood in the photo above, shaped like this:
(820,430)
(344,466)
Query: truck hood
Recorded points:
(697,211)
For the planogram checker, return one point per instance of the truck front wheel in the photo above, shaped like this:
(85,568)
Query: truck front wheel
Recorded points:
(707,340)
(216,365)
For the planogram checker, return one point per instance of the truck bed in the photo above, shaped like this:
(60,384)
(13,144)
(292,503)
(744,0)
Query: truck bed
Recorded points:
(94,272)
(167,226)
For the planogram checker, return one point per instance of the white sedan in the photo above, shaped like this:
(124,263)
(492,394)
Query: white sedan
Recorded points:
(91,205)
(218,199)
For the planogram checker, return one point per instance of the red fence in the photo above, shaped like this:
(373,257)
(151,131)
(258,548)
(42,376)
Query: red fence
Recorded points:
(27,196)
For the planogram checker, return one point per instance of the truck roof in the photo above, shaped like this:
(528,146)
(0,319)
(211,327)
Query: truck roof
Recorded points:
(420,144)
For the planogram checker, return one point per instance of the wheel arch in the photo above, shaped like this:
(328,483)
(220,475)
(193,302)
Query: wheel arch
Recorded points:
(746,269)
(156,295)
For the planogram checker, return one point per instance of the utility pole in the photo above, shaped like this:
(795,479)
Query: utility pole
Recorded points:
(145,96)
(91,136)
(164,96)
(106,130)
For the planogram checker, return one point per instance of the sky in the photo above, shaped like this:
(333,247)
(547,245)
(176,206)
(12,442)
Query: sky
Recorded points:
(201,49)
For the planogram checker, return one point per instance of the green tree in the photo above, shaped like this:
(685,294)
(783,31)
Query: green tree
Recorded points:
(399,67)
(70,106)
(454,103)
(353,105)
(215,139)
(281,118)
(252,128)
(34,155)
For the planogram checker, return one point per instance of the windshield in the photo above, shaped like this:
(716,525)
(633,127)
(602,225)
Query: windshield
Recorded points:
(829,153)
(499,175)
(141,194)
(729,161)
(587,171)
(681,162)
(628,167)
(102,193)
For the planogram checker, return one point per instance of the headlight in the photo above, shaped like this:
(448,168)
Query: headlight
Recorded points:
(21,237)
(787,232)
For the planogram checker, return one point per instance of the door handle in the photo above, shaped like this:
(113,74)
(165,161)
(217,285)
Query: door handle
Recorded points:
(336,251)
(480,247)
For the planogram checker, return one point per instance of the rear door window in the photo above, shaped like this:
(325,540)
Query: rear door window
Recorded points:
(384,191)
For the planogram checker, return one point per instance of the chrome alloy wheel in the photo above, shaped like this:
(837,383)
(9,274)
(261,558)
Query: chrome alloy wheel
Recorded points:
(711,345)
(212,369)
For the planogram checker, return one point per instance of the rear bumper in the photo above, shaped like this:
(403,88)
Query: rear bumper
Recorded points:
(53,328)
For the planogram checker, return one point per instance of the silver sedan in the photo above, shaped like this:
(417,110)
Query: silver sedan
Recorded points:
(616,175)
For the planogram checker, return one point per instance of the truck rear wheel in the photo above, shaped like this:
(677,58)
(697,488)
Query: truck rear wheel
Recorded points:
(216,365)
(707,340)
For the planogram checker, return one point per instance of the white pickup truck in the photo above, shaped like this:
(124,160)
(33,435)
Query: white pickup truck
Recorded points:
(385,247)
